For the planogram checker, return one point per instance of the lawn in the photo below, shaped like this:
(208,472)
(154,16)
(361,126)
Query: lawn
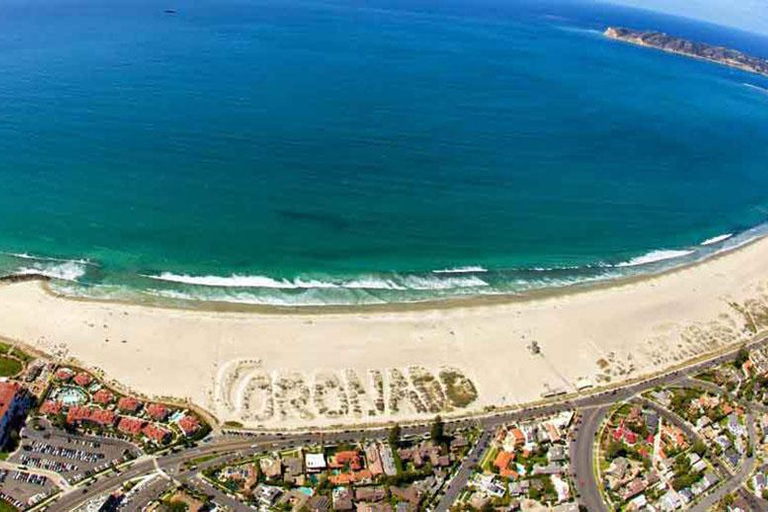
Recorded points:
(9,367)
(7,507)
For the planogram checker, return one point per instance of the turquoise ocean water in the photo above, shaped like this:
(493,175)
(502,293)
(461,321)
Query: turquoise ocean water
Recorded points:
(337,152)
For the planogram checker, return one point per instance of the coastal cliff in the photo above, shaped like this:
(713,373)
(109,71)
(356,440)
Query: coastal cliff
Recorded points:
(665,42)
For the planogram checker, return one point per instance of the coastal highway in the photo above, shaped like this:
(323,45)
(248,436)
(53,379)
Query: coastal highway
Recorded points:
(248,443)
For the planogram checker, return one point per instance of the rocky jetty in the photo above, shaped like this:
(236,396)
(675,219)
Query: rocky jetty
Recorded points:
(718,54)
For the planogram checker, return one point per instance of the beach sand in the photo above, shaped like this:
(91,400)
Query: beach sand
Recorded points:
(295,370)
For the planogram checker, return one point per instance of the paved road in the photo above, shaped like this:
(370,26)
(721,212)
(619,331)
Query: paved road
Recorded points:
(459,481)
(581,450)
(227,442)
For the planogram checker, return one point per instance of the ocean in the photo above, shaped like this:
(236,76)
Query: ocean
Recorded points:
(336,152)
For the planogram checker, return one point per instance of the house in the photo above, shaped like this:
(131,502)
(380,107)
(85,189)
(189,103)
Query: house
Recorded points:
(314,462)
(502,460)
(519,488)
(387,460)
(374,507)
(686,496)
(271,468)
(128,404)
(156,433)
(51,407)
(318,503)
(735,427)
(490,485)
(78,415)
(723,442)
(103,397)
(458,443)
(267,495)
(624,433)
(759,481)
(556,454)
(370,494)
(64,374)
(669,501)
(562,488)
(344,459)
(633,488)
(83,379)
(651,419)
(343,499)
(294,470)
(373,458)
(553,434)
(157,412)
(130,426)
(14,404)
(410,494)
(189,425)
(637,503)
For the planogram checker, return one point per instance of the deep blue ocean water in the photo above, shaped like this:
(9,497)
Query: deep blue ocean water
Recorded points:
(343,152)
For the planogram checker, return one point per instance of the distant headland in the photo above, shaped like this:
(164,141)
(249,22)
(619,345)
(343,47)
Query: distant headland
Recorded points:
(718,54)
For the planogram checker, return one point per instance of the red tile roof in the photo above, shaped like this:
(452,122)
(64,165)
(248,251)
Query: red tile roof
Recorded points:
(8,392)
(503,459)
(157,411)
(64,374)
(79,414)
(129,425)
(103,396)
(155,433)
(83,379)
(129,404)
(51,407)
(189,425)
(345,457)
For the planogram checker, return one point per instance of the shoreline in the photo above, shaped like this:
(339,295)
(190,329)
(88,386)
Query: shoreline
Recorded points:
(456,302)
(295,369)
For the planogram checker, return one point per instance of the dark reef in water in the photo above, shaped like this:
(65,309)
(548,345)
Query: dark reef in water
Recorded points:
(718,54)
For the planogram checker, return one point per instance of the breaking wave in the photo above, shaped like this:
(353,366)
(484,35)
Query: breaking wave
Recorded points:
(717,239)
(472,269)
(66,271)
(654,257)
(363,283)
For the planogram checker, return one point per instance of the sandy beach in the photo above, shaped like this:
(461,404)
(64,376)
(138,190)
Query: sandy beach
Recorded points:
(296,370)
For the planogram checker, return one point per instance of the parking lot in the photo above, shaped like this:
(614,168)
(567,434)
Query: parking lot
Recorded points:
(23,489)
(74,457)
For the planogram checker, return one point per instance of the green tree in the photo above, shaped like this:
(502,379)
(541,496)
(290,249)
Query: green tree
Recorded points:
(438,430)
(394,435)
(699,448)
(741,357)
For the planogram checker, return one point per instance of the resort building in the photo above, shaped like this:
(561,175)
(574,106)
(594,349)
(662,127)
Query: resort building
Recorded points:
(14,403)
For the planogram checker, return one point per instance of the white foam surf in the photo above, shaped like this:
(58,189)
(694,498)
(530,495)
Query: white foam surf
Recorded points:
(237,281)
(431,283)
(362,283)
(716,239)
(66,271)
(32,257)
(655,257)
(470,269)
